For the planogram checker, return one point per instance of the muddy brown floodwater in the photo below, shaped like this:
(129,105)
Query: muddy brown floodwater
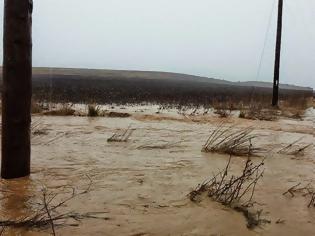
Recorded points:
(141,186)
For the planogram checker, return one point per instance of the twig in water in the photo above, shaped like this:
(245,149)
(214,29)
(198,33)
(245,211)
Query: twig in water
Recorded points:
(307,191)
(159,146)
(294,148)
(48,212)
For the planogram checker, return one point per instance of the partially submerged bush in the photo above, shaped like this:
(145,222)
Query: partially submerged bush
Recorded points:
(93,110)
(234,191)
(223,113)
(255,112)
(224,110)
(225,139)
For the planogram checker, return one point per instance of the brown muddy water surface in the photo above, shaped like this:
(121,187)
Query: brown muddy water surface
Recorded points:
(143,191)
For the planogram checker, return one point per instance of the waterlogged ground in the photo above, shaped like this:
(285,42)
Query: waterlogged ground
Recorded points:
(140,187)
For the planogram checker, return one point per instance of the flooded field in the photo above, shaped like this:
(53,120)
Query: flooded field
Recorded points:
(140,187)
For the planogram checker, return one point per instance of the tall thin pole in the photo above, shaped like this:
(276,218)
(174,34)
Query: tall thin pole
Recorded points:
(17,88)
(275,97)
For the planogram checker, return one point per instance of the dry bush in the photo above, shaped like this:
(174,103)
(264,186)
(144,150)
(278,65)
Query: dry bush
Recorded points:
(93,110)
(256,112)
(121,136)
(225,139)
(292,113)
(234,191)
(307,191)
(298,102)
(223,113)
(65,110)
(224,110)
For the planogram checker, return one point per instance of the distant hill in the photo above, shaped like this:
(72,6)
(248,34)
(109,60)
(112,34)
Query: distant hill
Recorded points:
(134,87)
(124,74)
(74,73)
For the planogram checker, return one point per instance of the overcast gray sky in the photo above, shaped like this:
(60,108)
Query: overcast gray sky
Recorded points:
(215,38)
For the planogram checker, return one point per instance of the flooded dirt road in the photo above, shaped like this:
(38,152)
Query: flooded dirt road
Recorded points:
(140,187)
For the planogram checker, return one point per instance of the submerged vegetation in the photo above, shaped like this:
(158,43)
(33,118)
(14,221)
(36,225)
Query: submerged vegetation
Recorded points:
(295,148)
(121,136)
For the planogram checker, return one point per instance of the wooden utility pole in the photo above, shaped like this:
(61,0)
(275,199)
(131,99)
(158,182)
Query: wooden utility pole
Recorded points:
(17,88)
(275,97)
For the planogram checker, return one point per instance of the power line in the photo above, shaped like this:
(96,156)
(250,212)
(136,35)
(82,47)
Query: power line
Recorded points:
(265,40)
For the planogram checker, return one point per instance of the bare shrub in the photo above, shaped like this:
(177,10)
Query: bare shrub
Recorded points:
(229,141)
(223,113)
(224,109)
(256,112)
(236,192)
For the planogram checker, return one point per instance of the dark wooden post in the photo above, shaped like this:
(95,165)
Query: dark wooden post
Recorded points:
(275,96)
(17,88)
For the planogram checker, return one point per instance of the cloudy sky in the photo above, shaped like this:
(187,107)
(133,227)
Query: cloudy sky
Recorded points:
(215,38)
